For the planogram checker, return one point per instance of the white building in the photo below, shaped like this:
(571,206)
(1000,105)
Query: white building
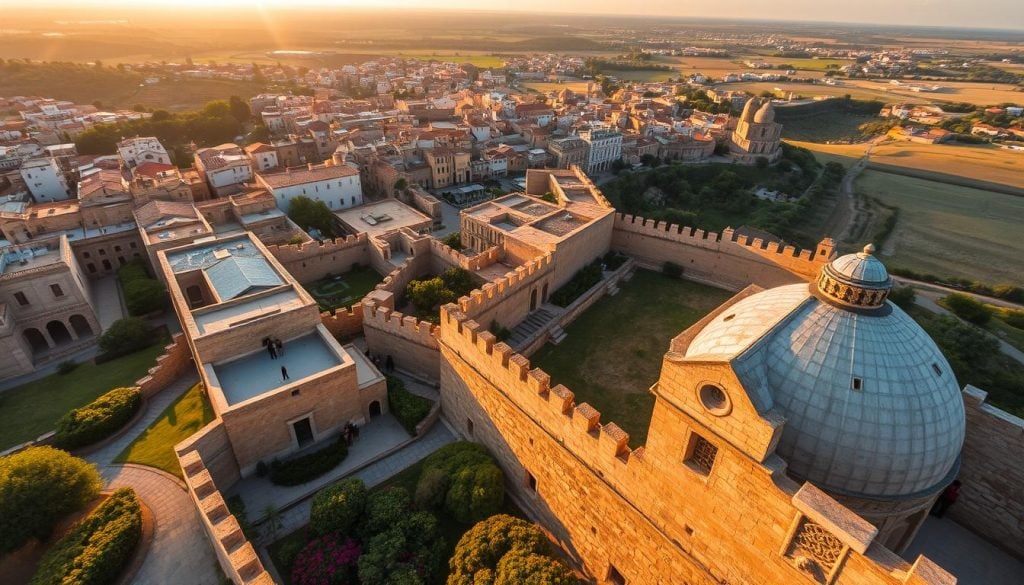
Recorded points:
(45,180)
(263,156)
(604,147)
(140,150)
(225,168)
(337,185)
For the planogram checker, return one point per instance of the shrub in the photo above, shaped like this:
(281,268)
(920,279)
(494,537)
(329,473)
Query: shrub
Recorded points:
(309,214)
(454,456)
(132,271)
(236,505)
(968,308)
(429,293)
(431,489)
(482,547)
(613,260)
(99,419)
(38,487)
(384,509)
(453,240)
(407,552)
(326,560)
(126,335)
(517,568)
(458,280)
(672,270)
(407,407)
(288,553)
(96,550)
(143,297)
(336,508)
(66,367)
(299,470)
(903,296)
(1014,318)
(580,283)
(476,492)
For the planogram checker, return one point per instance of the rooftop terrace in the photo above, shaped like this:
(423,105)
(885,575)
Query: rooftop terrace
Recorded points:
(26,258)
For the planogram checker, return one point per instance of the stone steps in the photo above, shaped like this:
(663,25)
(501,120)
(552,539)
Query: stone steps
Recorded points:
(557,335)
(533,323)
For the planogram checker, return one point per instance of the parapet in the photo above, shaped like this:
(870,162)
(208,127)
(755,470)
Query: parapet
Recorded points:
(494,292)
(286,253)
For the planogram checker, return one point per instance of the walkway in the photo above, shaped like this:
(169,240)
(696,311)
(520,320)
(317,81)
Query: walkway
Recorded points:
(376,437)
(106,296)
(376,473)
(972,560)
(927,300)
(180,551)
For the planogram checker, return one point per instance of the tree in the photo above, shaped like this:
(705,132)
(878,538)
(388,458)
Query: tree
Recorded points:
(38,487)
(483,547)
(239,109)
(476,492)
(126,335)
(309,214)
(428,294)
(517,568)
(453,240)
(402,547)
(903,297)
(401,185)
(145,296)
(458,280)
(968,308)
(338,507)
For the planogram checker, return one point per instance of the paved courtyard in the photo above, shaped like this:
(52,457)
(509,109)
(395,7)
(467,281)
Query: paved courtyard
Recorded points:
(967,556)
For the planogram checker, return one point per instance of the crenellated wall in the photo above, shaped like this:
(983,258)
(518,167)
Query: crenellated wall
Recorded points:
(344,322)
(447,257)
(170,365)
(724,259)
(743,522)
(410,342)
(197,456)
(991,499)
(313,260)
(507,299)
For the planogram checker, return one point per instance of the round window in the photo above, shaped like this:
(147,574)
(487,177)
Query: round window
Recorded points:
(714,399)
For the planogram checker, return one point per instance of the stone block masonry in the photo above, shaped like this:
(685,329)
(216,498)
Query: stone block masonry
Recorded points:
(170,365)
(991,499)
(314,260)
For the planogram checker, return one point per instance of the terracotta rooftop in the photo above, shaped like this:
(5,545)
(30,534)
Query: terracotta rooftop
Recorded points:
(302,175)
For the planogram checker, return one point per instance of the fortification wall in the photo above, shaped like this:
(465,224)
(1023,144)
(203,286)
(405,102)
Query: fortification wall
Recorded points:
(740,524)
(991,499)
(410,342)
(236,555)
(344,322)
(445,257)
(724,259)
(507,299)
(170,366)
(313,260)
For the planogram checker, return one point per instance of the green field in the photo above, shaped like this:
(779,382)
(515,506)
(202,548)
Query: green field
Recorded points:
(332,292)
(642,75)
(480,60)
(827,127)
(949,230)
(179,421)
(34,408)
(656,308)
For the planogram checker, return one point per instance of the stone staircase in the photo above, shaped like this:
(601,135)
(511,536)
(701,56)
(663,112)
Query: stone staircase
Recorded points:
(533,323)
(557,335)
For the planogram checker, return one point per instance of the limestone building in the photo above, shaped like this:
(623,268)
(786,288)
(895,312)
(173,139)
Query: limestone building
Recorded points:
(757,134)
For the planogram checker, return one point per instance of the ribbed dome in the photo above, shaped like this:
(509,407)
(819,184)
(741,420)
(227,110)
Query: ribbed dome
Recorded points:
(872,408)
(766,114)
(861,267)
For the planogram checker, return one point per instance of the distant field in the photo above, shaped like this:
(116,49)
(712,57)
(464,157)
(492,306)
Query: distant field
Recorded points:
(826,127)
(981,94)
(549,86)
(809,90)
(480,60)
(949,230)
(642,75)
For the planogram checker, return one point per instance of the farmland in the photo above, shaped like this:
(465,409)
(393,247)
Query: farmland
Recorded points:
(549,86)
(862,89)
(950,230)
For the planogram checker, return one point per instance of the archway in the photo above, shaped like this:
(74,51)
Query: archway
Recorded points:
(375,409)
(544,294)
(35,339)
(195,296)
(533,299)
(81,325)
(58,332)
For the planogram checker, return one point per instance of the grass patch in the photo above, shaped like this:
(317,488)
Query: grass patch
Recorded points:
(950,230)
(657,308)
(34,408)
(155,446)
(1003,330)
(336,291)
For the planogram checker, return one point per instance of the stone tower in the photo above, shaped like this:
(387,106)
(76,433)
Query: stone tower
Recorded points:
(757,133)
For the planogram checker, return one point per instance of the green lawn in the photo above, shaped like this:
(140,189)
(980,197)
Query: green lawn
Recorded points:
(642,319)
(949,230)
(1004,330)
(180,420)
(34,408)
(343,290)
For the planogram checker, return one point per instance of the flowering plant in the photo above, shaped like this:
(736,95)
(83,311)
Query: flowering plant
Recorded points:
(327,560)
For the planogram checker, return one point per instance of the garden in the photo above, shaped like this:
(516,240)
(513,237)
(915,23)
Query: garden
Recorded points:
(155,445)
(656,307)
(444,519)
(426,295)
(74,534)
(336,291)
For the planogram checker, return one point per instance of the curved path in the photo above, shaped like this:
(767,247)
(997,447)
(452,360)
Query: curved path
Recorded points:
(180,551)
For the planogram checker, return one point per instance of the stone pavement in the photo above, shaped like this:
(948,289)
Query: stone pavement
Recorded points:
(376,438)
(377,472)
(967,556)
(180,551)
(106,296)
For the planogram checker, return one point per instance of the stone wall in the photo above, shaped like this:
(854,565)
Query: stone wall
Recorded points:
(170,366)
(344,322)
(236,555)
(410,342)
(507,299)
(740,523)
(314,260)
(724,259)
(991,499)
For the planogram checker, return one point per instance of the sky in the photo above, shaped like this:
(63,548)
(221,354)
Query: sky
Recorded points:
(1003,14)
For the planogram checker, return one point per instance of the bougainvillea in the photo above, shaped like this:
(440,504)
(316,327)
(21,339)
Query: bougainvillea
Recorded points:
(327,560)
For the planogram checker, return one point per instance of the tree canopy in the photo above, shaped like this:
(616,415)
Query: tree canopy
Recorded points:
(309,214)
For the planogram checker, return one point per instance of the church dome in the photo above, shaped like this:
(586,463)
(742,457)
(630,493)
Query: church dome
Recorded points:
(766,114)
(872,408)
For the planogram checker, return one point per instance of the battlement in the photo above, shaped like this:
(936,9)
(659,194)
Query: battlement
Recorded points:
(286,253)
(453,257)
(494,292)
(344,321)
(400,324)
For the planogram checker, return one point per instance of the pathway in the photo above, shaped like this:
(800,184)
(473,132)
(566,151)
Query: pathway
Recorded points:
(927,300)
(972,560)
(107,298)
(180,551)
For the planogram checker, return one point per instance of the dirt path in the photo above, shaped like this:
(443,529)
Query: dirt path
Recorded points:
(843,219)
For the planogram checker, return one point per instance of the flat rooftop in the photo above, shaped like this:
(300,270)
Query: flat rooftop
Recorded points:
(26,258)
(206,256)
(214,318)
(256,374)
(382,216)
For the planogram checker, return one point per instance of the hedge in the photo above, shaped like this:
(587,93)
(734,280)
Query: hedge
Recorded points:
(308,467)
(410,409)
(580,283)
(142,294)
(97,550)
(99,419)
(126,335)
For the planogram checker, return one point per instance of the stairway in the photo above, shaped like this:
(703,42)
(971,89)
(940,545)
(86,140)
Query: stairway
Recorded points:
(533,323)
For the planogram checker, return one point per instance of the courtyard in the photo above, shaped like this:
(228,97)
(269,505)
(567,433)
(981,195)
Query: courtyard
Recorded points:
(342,290)
(637,325)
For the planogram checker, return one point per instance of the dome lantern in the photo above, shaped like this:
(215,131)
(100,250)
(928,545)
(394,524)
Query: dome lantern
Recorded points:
(856,280)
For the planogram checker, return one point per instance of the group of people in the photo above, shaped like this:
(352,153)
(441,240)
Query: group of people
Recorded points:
(387,366)
(350,433)
(276,349)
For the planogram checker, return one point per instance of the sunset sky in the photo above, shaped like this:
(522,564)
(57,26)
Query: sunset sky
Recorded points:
(1005,14)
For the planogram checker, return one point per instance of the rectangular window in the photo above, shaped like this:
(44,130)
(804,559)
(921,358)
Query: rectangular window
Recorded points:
(21,298)
(701,454)
(531,482)
(57,292)
(614,576)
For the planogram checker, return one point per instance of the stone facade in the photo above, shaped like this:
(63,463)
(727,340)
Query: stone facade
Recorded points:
(757,134)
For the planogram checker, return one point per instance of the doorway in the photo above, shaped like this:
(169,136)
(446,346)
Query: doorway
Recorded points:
(303,431)
(374,409)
